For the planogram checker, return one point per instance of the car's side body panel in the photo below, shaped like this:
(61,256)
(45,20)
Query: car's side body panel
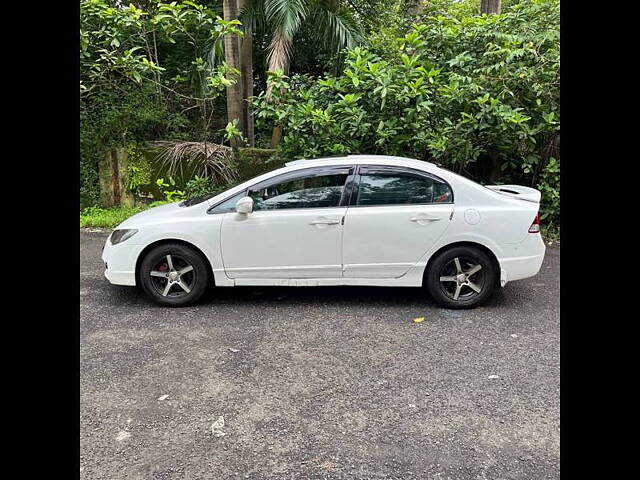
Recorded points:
(386,241)
(277,243)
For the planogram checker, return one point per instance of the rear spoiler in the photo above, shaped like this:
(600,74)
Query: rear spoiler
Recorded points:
(517,191)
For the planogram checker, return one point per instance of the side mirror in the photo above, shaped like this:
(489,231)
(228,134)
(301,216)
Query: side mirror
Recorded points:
(244,205)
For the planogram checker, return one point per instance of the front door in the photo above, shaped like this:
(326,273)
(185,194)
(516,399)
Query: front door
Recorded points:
(395,216)
(294,231)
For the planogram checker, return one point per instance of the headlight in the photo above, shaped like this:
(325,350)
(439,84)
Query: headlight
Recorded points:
(119,236)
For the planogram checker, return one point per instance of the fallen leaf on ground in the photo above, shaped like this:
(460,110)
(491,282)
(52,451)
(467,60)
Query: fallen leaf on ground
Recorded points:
(216,427)
(123,435)
(418,320)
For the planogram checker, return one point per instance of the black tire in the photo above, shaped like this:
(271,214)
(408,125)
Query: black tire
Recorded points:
(444,266)
(181,257)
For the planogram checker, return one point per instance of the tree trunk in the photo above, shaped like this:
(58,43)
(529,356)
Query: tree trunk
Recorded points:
(414,7)
(112,171)
(278,60)
(276,136)
(490,6)
(231,11)
(246,64)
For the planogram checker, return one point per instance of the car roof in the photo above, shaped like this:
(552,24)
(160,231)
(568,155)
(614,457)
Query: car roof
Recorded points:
(363,159)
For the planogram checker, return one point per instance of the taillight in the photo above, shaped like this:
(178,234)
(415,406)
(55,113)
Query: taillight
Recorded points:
(535,226)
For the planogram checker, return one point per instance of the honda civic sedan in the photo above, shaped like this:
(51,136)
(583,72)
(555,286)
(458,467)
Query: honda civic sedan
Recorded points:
(355,220)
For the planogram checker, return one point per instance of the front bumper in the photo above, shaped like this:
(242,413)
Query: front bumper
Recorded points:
(120,262)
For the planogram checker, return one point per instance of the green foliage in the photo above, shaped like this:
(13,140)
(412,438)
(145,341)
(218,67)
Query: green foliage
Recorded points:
(106,217)
(89,181)
(550,234)
(550,187)
(148,72)
(120,42)
(199,186)
(139,169)
(173,195)
(256,161)
(478,95)
(96,217)
(113,119)
(232,131)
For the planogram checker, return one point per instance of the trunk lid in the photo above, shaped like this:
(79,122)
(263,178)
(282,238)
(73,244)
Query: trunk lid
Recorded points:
(517,191)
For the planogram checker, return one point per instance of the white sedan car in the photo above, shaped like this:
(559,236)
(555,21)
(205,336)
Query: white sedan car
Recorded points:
(355,220)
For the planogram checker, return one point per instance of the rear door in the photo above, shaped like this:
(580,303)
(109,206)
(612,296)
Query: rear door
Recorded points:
(295,229)
(395,215)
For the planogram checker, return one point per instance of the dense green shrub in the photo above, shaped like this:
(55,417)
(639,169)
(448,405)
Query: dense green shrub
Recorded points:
(147,72)
(128,118)
(478,95)
(97,217)
(550,187)
(252,162)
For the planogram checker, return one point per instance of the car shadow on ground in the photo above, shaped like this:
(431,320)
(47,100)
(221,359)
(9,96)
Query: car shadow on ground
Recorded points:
(393,297)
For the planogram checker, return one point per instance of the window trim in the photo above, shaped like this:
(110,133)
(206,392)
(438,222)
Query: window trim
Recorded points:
(212,207)
(349,169)
(390,169)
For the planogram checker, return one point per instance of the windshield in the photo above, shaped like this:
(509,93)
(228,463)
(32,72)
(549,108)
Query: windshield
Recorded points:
(196,200)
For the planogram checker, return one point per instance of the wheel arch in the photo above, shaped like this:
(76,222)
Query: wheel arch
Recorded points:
(466,243)
(152,245)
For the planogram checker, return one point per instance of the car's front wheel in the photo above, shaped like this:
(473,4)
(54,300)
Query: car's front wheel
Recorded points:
(461,277)
(173,275)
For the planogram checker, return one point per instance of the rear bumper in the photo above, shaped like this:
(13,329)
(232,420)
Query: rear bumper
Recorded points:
(522,260)
(120,262)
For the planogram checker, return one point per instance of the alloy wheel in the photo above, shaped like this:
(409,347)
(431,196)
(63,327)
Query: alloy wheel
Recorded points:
(462,278)
(173,276)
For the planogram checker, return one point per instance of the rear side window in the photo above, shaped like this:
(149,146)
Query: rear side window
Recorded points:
(314,191)
(399,188)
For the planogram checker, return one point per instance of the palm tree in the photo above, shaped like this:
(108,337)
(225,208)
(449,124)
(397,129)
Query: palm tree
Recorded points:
(333,23)
(490,6)
(232,48)
(246,69)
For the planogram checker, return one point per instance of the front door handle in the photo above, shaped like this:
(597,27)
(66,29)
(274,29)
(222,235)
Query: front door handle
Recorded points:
(324,222)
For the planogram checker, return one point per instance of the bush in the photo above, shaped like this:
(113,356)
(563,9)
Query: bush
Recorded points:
(252,162)
(550,187)
(97,217)
(117,119)
(478,95)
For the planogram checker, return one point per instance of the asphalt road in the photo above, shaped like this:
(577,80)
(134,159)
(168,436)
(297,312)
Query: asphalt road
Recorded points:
(326,382)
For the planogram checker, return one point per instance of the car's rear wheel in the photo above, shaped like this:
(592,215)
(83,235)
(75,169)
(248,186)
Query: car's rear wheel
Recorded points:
(174,275)
(461,277)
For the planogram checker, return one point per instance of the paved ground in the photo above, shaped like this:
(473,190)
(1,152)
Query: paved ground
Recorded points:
(326,383)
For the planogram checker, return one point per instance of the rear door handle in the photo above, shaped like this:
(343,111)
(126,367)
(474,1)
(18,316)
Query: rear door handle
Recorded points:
(424,219)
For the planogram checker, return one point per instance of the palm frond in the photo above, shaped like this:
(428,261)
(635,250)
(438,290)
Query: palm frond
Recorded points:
(208,160)
(286,16)
(254,16)
(336,25)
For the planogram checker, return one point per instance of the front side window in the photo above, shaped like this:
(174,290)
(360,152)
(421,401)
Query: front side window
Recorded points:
(317,191)
(228,205)
(398,188)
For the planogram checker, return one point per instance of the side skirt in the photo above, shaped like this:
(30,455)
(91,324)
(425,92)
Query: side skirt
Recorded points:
(413,278)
